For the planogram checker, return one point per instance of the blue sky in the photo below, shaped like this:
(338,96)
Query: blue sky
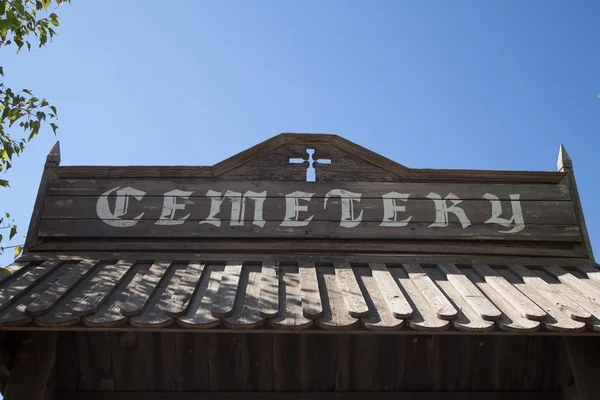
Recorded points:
(429,84)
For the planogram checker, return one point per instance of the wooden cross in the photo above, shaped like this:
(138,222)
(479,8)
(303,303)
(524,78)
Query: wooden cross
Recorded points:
(310,170)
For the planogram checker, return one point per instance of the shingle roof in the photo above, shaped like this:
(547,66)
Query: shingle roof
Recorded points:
(377,296)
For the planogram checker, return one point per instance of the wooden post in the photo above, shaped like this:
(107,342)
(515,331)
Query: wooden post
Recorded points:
(48,176)
(31,366)
(584,357)
(565,164)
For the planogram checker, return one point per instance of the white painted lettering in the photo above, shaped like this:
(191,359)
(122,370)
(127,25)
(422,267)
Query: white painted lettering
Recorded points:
(170,205)
(293,209)
(516,219)
(391,209)
(442,210)
(121,206)
(348,220)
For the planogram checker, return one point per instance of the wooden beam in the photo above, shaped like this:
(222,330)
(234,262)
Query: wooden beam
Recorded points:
(48,176)
(311,396)
(565,164)
(584,356)
(31,367)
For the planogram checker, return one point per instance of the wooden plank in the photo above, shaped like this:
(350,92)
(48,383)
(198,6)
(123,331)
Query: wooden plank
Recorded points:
(258,363)
(424,316)
(185,289)
(198,314)
(140,295)
(580,285)
(32,366)
(199,187)
(198,208)
(468,319)
(60,288)
(14,314)
(584,357)
(160,366)
(336,314)
(522,303)
(331,246)
(108,313)
(193,359)
(245,312)
(228,289)
(390,291)
(469,292)
(289,376)
(101,287)
(268,304)
(13,288)
(321,362)
(512,319)
(550,292)
(309,287)
(93,356)
(127,359)
(353,297)
(380,316)
(440,304)
(558,320)
(14,269)
(153,314)
(60,228)
(290,314)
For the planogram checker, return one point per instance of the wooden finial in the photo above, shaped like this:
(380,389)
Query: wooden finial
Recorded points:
(54,155)
(564,162)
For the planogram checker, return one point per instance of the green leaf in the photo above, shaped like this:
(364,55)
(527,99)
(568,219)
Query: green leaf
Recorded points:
(4,271)
(18,251)
(1,71)
(4,183)
(13,232)
(7,215)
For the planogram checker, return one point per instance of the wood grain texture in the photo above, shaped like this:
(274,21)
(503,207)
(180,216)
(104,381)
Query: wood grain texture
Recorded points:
(185,288)
(380,316)
(13,288)
(246,312)
(309,287)
(522,303)
(290,314)
(154,315)
(336,313)
(198,314)
(391,293)
(101,287)
(440,304)
(353,297)
(228,289)
(469,292)
(268,304)
(140,295)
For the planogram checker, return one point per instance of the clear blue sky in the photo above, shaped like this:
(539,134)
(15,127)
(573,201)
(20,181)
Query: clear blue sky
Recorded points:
(430,84)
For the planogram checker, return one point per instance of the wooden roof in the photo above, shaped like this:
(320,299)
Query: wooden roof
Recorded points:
(394,294)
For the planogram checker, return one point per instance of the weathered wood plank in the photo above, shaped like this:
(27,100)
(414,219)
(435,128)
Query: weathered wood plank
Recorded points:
(290,314)
(522,303)
(13,288)
(440,304)
(140,295)
(469,292)
(183,292)
(228,289)
(309,287)
(198,314)
(469,318)
(353,297)
(60,288)
(336,313)
(512,319)
(246,312)
(268,304)
(380,316)
(101,287)
(390,291)
(60,228)
(157,187)
(108,313)
(93,356)
(557,320)
(153,314)
(425,315)
(324,209)
(15,269)
(549,291)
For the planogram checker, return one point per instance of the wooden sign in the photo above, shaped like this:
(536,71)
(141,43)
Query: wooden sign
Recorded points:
(195,208)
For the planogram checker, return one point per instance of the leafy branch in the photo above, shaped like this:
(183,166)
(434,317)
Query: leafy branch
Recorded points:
(21,23)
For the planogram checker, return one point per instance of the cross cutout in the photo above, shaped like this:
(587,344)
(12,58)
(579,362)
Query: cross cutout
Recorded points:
(310,170)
